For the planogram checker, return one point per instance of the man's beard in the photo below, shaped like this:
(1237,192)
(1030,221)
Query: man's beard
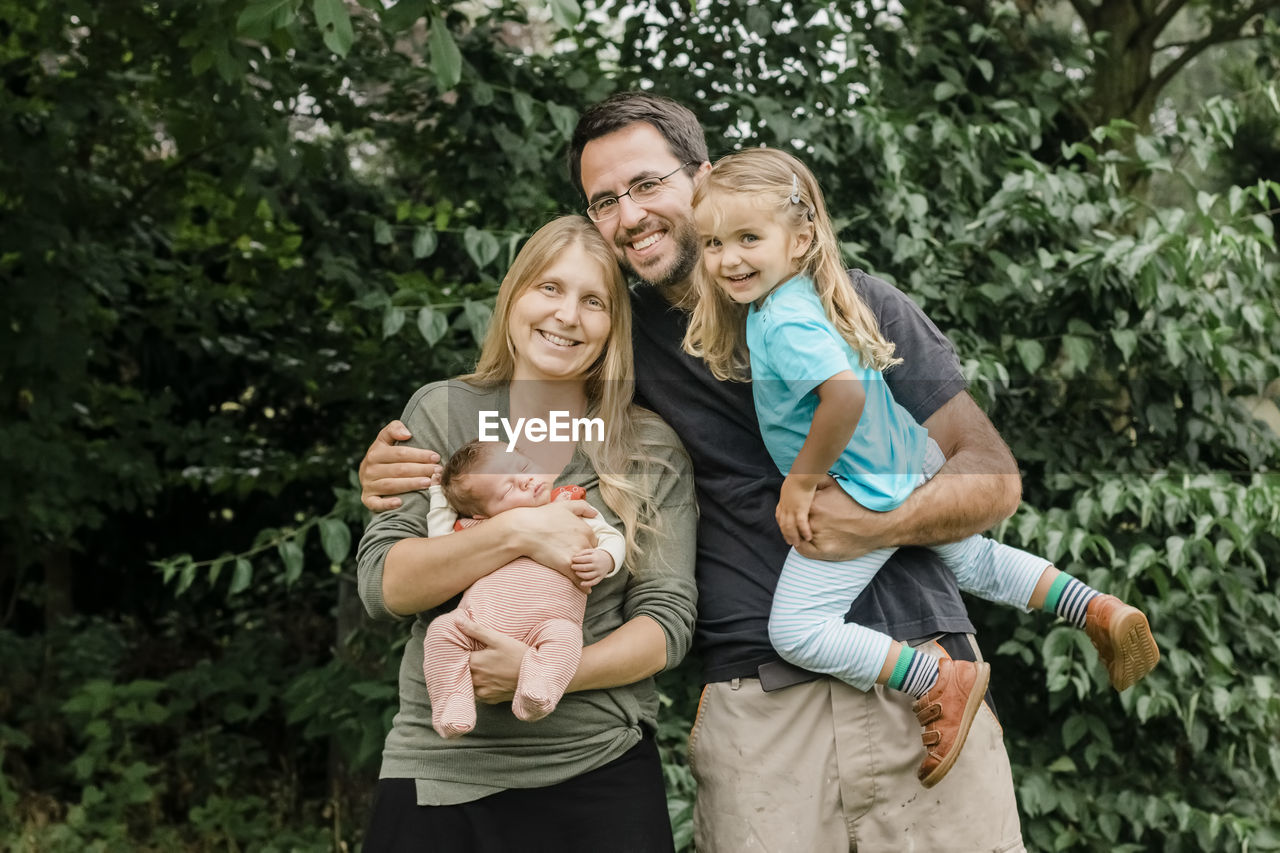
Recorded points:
(688,254)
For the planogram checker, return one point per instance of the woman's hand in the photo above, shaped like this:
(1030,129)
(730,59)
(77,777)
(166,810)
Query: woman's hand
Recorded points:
(495,669)
(389,469)
(793,507)
(552,534)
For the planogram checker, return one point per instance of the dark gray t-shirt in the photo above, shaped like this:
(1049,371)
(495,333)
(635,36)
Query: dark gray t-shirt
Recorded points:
(740,550)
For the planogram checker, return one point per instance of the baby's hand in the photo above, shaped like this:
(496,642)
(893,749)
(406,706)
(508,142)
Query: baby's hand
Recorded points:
(591,566)
(437,477)
(793,508)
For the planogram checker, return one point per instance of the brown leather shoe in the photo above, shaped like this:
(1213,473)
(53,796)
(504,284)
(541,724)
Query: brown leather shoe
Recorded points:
(1123,639)
(947,712)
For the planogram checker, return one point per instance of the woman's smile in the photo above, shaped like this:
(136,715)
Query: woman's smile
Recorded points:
(559,325)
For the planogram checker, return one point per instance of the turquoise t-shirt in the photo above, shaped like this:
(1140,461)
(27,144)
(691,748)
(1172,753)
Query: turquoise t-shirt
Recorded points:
(794,349)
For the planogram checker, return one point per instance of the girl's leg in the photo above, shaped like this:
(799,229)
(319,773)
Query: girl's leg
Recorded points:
(807,627)
(997,572)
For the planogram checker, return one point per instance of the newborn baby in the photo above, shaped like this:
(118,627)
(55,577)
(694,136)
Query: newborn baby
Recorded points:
(524,599)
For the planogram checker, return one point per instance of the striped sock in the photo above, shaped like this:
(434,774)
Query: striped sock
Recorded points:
(1069,598)
(914,673)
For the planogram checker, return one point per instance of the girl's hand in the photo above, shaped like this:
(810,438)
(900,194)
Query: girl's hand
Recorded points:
(793,508)
(495,668)
(591,566)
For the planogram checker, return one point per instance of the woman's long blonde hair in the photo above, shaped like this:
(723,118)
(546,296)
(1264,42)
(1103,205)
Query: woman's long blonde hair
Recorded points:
(625,468)
(779,183)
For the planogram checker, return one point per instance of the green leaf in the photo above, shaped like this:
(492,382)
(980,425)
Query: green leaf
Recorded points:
(202,61)
(1031,353)
(564,118)
(1173,350)
(335,24)
(432,325)
(404,15)
(392,320)
(1110,497)
(1145,149)
(291,555)
(335,538)
(186,578)
(943,91)
(477,315)
(382,234)
(1175,553)
(1126,340)
(446,60)
(261,12)
(216,569)
(424,242)
(1078,350)
(524,107)
(759,21)
(985,68)
(566,13)
(1062,764)
(1075,728)
(241,577)
(482,246)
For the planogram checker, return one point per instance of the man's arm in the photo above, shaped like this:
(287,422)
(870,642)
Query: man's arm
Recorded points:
(390,469)
(978,487)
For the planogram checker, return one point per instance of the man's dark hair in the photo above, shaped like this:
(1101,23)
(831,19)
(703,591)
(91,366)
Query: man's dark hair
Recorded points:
(678,126)
(463,461)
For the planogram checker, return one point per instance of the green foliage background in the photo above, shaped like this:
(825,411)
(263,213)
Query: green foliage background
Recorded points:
(237,234)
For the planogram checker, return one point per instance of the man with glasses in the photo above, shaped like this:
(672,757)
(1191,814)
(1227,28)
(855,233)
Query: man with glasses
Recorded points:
(787,760)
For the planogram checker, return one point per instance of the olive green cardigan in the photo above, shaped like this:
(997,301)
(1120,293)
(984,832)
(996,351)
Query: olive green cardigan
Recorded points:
(588,728)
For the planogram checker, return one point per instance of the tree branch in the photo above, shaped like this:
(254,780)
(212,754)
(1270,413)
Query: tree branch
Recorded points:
(1222,32)
(1165,14)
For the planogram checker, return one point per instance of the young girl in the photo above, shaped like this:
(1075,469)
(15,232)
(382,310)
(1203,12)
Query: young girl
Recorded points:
(773,296)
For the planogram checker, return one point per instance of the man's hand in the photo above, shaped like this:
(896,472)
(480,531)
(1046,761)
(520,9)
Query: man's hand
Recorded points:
(978,487)
(389,469)
(591,566)
(792,513)
(495,669)
(843,529)
(553,534)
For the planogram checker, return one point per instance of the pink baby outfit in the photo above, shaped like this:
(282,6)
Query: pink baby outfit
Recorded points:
(525,600)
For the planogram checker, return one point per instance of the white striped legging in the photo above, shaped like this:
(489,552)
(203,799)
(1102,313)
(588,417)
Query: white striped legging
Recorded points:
(807,627)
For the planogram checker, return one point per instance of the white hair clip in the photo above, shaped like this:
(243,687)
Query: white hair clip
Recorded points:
(795,189)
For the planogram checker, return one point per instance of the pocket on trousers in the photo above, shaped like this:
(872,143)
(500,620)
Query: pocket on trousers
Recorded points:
(697,724)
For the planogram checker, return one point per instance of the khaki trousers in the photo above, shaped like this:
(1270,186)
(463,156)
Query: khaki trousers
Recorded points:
(821,767)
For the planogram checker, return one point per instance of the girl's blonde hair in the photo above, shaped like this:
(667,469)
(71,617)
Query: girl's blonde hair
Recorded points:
(621,461)
(779,183)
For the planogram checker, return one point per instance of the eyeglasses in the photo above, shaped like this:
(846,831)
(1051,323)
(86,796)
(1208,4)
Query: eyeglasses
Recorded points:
(641,191)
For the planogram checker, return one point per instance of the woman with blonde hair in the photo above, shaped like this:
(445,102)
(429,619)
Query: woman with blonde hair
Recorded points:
(587,776)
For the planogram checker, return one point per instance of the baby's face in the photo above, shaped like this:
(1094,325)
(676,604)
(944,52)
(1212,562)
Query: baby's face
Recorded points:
(503,481)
